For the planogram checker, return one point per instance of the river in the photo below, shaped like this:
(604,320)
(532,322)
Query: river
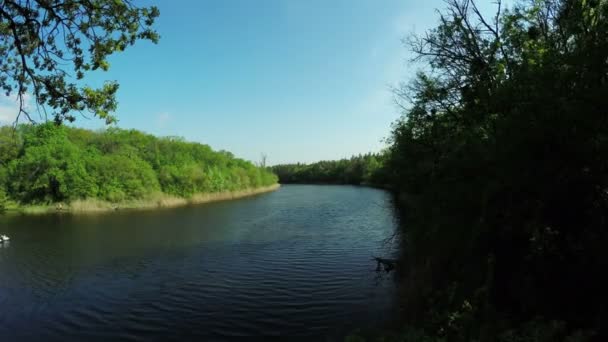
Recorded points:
(292,263)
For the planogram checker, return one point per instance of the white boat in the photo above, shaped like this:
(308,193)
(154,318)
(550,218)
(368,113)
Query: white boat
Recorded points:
(4,238)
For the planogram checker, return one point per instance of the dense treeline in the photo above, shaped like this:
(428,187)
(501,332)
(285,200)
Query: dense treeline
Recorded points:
(50,163)
(362,169)
(501,160)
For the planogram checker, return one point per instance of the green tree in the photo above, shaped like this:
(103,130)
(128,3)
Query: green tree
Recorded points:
(49,163)
(51,168)
(43,42)
(500,160)
(361,169)
(3,199)
(121,177)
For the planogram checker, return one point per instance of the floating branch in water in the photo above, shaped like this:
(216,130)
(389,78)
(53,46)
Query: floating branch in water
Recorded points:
(388,264)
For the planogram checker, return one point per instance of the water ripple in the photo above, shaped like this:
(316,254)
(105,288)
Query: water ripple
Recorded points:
(292,263)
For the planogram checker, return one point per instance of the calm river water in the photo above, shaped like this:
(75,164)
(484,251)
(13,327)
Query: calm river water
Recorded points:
(292,263)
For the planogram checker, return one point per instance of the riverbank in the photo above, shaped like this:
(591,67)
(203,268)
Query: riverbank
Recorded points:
(156,201)
(386,187)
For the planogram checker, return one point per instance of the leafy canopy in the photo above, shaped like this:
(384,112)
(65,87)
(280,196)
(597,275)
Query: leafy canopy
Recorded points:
(361,169)
(501,159)
(47,47)
(48,163)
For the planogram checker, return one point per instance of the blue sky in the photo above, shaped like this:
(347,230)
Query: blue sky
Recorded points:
(298,80)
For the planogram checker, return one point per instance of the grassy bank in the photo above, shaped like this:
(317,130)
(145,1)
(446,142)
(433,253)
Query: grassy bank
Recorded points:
(155,201)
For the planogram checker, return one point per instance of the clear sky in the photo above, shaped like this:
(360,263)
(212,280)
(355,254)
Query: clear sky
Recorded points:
(298,80)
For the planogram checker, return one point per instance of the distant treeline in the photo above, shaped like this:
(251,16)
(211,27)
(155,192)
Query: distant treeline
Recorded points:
(361,169)
(48,163)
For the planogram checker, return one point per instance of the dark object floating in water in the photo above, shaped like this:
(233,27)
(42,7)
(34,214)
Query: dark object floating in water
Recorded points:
(389,264)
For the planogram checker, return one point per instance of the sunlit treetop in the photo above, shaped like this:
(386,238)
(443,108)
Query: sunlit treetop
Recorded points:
(48,46)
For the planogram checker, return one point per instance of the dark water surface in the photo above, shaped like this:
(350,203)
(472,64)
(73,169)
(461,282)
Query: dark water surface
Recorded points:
(295,262)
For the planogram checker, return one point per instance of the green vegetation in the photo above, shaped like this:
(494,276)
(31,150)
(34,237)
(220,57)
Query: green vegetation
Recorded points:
(48,46)
(3,200)
(362,169)
(501,163)
(49,163)
(500,166)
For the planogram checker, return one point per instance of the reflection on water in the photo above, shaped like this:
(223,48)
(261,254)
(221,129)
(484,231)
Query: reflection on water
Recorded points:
(296,262)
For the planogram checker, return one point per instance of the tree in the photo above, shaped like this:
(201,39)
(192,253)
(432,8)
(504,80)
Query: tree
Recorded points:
(47,46)
(49,163)
(51,168)
(361,169)
(3,200)
(500,158)
(263,158)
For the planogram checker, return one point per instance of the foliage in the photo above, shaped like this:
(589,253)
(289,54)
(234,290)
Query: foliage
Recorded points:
(501,160)
(356,170)
(52,163)
(41,42)
(3,200)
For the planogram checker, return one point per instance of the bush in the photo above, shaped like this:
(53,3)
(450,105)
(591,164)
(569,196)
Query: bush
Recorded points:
(3,200)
